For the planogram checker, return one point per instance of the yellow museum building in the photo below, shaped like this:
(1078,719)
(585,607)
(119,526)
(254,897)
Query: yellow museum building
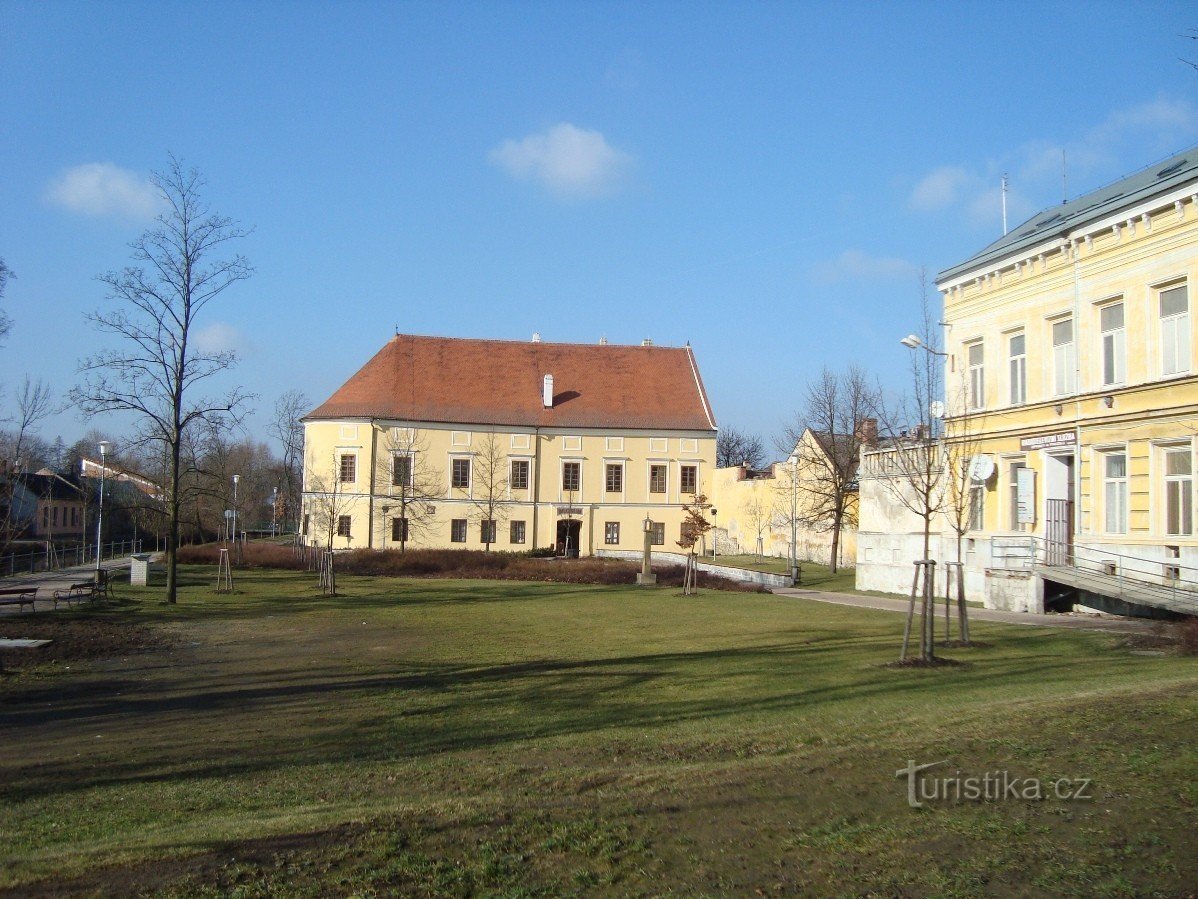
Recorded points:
(460,443)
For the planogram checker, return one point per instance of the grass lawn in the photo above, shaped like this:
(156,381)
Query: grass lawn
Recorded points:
(814,575)
(497,738)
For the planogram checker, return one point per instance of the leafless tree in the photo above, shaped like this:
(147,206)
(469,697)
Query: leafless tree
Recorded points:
(156,370)
(5,321)
(962,490)
(915,476)
(759,514)
(287,428)
(34,404)
(489,486)
(825,441)
(413,483)
(733,447)
(327,500)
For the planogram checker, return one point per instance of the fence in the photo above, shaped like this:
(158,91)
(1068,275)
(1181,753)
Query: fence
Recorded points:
(53,558)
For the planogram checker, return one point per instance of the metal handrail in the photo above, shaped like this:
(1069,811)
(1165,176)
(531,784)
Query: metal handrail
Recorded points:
(60,557)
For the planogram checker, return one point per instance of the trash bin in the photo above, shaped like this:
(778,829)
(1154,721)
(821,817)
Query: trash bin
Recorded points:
(139,570)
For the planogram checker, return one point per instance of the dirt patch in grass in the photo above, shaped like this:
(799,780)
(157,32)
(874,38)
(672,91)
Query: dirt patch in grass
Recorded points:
(935,662)
(74,638)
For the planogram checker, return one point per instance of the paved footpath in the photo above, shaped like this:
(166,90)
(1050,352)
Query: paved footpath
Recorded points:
(1084,622)
(46,582)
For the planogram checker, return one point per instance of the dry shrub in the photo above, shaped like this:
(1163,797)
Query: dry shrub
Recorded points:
(1187,636)
(464,563)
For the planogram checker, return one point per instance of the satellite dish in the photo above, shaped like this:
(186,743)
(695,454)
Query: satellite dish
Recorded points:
(936,409)
(981,468)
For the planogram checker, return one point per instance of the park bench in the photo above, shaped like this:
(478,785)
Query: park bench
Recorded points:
(76,592)
(18,596)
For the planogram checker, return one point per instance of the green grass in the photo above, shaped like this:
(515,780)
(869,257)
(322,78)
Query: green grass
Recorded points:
(498,738)
(814,575)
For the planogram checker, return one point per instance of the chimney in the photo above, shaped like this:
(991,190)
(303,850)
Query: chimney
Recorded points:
(547,391)
(867,431)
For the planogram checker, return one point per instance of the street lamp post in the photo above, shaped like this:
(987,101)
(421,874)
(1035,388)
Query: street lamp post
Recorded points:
(386,511)
(274,512)
(100,513)
(236,545)
(715,534)
(794,516)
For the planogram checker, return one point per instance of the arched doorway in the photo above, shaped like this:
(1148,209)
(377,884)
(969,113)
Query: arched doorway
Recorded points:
(569,531)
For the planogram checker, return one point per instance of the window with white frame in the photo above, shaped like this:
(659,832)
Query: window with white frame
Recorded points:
(571,477)
(518,479)
(486,531)
(1114,345)
(1179,490)
(611,533)
(1175,330)
(1017,368)
(690,478)
(401,470)
(518,531)
(657,533)
(657,478)
(399,530)
(460,474)
(977,375)
(348,470)
(1114,492)
(1064,358)
(457,530)
(1013,474)
(343,525)
(977,507)
(613,481)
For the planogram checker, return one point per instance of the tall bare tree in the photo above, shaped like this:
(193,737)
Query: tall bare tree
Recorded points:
(5,321)
(759,515)
(34,404)
(915,475)
(413,483)
(287,428)
(156,370)
(824,443)
(489,487)
(963,493)
(733,447)
(326,498)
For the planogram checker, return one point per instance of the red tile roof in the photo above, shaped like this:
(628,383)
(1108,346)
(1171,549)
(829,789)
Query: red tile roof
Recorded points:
(499,382)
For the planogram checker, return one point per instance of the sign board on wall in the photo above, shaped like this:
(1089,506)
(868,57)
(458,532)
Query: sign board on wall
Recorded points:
(1025,496)
(1048,441)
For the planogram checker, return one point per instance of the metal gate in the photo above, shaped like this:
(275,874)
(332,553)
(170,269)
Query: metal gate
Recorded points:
(1059,532)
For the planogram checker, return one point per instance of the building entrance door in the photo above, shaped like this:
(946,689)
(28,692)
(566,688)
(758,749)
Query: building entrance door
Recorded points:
(1058,518)
(569,530)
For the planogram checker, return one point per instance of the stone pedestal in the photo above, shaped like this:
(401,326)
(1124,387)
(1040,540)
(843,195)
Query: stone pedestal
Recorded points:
(642,578)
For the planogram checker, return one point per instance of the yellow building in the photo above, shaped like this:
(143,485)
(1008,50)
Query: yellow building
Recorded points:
(755,509)
(442,442)
(1070,375)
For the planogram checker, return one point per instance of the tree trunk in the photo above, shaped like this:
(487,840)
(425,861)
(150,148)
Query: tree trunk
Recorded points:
(836,524)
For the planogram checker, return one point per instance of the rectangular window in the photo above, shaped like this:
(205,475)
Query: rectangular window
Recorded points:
(54,516)
(307,521)
(1064,358)
(343,522)
(571,476)
(1015,523)
(1179,491)
(349,468)
(658,533)
(460,473)
(977,507)
(614,479)
(690,478)
(517,531)
(611,533)
(401,470)
(1175,330)
(1114,345)
(519,476)
(486,531)
(1114,492)
(657,478)
(977,376)
(457,530)
(1017,369)
(399,530)
(45,517)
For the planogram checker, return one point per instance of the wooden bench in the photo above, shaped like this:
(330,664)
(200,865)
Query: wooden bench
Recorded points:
(18,596)
(75,592)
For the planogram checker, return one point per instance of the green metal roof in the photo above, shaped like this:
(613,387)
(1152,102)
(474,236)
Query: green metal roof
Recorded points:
(1058,221)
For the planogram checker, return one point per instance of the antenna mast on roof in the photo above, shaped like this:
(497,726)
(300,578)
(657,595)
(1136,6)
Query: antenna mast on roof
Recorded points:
(1004,204)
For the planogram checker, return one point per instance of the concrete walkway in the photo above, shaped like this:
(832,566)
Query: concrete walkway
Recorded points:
(46,582)
(1111,624)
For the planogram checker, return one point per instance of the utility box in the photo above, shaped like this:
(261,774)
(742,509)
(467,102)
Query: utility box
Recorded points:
(139,570)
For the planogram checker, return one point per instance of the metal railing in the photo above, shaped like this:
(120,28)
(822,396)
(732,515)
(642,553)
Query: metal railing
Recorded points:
(54,558)
(1131,577)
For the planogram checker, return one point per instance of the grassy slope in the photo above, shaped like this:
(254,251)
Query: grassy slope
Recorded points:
(448,736)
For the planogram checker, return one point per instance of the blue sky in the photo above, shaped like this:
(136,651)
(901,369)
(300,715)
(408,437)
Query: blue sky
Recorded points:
(763,180)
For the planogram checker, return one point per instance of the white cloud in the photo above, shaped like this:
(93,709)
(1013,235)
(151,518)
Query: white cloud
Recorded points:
(569,161)
(854,265)
(101,188)
(1122,142)
(940,188)
(218,338)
